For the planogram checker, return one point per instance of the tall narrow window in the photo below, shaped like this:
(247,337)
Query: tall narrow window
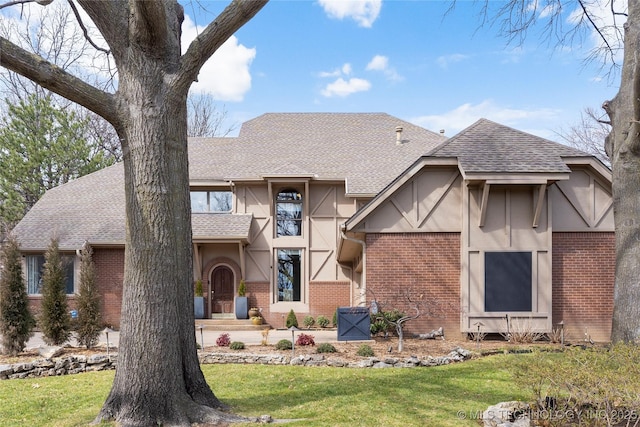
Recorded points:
(289,213)
(289,274)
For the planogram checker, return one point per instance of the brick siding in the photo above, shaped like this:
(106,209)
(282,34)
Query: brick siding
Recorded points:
(109,265)
(583,279)
(326,297)
(420,264)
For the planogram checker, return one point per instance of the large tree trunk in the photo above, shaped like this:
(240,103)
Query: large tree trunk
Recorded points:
(157,329)
(623,148)
(158,379)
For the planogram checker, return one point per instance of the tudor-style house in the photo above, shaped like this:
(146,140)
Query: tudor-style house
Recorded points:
(316,211)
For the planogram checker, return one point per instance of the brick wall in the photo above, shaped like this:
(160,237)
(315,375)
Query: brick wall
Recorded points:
(421,264)
(583,278)
(325,297)
(109,265)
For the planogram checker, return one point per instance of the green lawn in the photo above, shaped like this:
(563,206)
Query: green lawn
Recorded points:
(317,396)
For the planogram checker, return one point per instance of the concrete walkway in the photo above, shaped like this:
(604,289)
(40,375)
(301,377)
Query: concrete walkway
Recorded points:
(209,337)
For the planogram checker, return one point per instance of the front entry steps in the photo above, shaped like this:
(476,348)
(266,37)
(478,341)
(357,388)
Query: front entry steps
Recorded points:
(229,323)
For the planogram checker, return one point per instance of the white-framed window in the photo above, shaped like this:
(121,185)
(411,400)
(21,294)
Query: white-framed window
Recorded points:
(35,268)
(289,275)
(211,201)
(288,213)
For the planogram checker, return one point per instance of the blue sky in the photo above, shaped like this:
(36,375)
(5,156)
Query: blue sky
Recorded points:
(410,59)
(414,59)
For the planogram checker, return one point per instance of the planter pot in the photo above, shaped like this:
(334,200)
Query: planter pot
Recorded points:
(241,308)
(254,312)
(256,320)
(198,307)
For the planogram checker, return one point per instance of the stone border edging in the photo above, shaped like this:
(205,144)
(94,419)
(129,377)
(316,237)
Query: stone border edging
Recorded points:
(101,362)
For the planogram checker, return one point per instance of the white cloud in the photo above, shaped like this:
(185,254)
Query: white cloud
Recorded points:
(345,69)
(342,87)
(466,114)
(445,60)
(381,63)
(226,74)
(364,12)
(378,63)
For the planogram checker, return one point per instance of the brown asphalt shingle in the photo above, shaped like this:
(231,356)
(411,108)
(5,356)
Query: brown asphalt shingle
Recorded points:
(358,148)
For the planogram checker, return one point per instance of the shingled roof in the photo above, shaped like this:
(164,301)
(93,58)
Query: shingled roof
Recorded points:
(360,149)
(489,147)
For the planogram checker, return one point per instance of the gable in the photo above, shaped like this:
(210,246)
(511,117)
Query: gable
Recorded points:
(582,203)
(428,202)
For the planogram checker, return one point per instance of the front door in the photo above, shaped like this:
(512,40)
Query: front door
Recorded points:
(222,290)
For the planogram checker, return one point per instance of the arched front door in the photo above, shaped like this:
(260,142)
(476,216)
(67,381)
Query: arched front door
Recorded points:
(222,290)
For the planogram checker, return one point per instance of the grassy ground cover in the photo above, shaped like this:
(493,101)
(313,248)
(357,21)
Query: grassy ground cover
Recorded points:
(444,396)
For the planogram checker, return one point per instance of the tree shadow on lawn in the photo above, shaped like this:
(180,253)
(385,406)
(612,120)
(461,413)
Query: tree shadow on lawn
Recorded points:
(371,396)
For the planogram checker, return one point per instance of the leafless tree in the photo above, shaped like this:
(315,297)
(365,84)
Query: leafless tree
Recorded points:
(158,380)
(410,303)
(204,119)
(618,32)
(589,134)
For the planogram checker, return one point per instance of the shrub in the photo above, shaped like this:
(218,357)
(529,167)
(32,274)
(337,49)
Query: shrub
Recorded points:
(198,292)
(236,345)
(223,340)
(16,322)
(322,321)
(242,289)
(284,345)
(326,347)
(304,339)
(335,319)
(292,320)
(384,322)
(88,301)
(365,350)
(308,321)
(604,383)
(55,321)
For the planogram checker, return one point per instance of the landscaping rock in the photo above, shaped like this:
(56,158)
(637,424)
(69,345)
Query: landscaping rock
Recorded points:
(507,414)
(49,352)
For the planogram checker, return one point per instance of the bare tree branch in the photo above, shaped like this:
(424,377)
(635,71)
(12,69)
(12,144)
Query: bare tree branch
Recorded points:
(84,29)
(13,3)
(234,16)
(55,79)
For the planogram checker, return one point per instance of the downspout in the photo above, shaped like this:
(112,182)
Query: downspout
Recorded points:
(363,284)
